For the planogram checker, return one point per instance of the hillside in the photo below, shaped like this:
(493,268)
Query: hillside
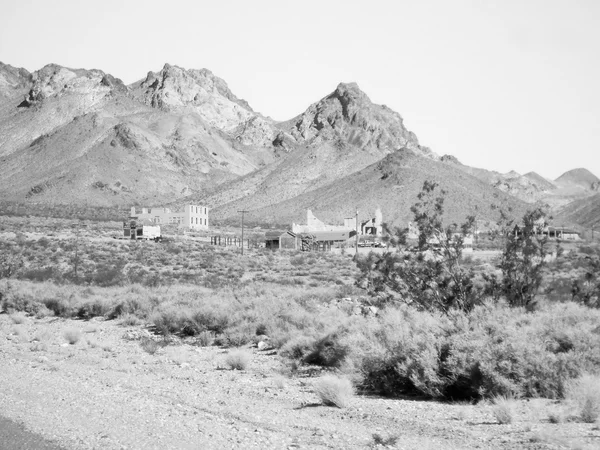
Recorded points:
(13,82)
(581,178)
(392,184)
(336,137)
(83,137)
(529,188)
(583,212)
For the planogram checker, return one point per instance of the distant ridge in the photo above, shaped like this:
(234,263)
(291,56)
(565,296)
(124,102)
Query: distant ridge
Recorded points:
(540,181)
(578,177)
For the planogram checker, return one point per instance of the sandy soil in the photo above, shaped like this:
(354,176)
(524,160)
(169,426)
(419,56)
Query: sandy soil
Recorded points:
(106,392)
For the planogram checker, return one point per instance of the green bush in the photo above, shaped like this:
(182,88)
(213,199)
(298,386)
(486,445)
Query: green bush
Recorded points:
(494,350)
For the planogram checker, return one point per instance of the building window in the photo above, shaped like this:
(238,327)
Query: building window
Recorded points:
(205,211)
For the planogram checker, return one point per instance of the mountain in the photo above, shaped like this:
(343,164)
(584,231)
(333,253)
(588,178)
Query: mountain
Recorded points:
(13,81)
(82,138)
(342,133)
(578,179)
(529,188)
(584,212)
(392,184)
(540,181)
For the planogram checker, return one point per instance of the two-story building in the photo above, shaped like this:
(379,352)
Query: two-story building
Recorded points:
(194,217)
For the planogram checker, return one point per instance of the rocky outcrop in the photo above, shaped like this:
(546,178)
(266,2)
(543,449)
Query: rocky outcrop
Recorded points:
(53,80)
(13,80)
(200,91)
(348,116)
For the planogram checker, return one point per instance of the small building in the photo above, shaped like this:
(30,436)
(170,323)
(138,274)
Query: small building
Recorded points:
(275,240)
(194,217)
(141,229)
(319,241)
(552,232)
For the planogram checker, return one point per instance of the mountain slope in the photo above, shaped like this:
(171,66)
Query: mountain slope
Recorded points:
(13,81)
(392,184)
(529,188)
(583,212)
(82,136)
(339,135)
(578,178)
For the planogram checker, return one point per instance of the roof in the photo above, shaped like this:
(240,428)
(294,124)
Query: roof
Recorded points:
(272,235)
(343,235)
(563,230)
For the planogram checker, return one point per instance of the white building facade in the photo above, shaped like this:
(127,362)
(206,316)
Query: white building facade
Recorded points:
(194,217)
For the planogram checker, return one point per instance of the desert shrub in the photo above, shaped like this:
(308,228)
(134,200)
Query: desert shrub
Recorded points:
(238,359)
(586,288)
(584,393)
(494,350)
(297,347)
(503,409)
(108,275)
(328,351)
(18,318)
(132,305)
(97,307)
(72,335)
(40,274)
(205,338)
(61,307)
(378,439)
(150,346)
(334,391)
(130,320)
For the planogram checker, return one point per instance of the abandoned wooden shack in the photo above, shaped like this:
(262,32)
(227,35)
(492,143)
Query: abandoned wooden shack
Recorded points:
(317,241)
(281,239)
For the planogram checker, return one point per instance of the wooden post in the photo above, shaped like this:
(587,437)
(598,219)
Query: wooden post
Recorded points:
(356,240)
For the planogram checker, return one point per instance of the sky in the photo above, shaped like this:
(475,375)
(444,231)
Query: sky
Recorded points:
(502,85)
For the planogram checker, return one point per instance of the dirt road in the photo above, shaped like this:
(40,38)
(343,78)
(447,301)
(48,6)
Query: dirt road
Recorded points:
(106,392)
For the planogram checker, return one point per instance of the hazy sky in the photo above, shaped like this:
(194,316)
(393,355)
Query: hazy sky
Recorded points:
(503,85)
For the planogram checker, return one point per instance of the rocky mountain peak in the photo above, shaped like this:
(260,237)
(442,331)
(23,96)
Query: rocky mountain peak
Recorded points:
(177,89)
(578,177)
(450,159)
(54,80)
(13,80)
(347,115)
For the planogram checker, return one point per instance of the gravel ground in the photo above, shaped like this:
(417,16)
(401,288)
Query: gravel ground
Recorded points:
(106,392)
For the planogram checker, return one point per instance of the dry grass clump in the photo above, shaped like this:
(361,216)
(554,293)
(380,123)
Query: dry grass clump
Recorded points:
(584,394)
(18,319)
(238,359)
(72,335)
(391,440)
(503,409)
(334,391)
(130,320)
(205,338)
(150,346)
(20,333)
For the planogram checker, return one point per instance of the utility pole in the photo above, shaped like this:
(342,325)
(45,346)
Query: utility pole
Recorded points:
(356,240)
(243,211)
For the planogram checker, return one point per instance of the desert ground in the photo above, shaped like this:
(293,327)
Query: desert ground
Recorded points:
(108,364)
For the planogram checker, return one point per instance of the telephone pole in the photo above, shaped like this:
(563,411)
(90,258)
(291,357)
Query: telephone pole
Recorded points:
(243,211)
(356,240)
